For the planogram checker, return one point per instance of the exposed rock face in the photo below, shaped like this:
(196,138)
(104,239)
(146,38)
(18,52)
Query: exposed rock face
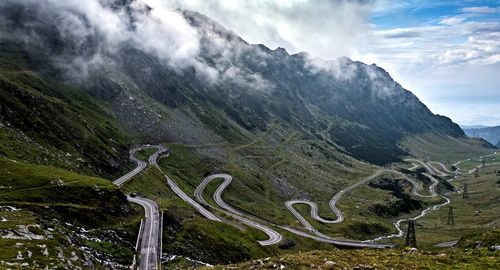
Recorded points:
(227,89)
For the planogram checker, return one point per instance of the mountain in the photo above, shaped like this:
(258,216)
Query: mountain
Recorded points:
(81,83)
(473,126)
(351,103)
(491,134)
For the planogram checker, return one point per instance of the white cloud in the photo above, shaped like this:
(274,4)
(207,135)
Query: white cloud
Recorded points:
(157,30)
(483,10)
(166,34)
(324,28)
(486,113)
(430,58)
(452,20)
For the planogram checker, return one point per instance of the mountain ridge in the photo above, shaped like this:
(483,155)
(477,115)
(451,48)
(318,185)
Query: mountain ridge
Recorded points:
(230,91)
(491,134)
(76,95)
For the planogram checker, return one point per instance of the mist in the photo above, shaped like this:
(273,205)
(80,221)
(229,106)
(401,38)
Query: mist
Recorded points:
(94,31)
(327,29)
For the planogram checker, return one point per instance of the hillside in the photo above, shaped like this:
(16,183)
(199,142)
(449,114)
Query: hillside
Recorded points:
(491,134)
(348,104)
(76,94)
(368,259)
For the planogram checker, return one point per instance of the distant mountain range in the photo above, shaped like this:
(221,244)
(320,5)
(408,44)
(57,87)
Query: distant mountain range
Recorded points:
(347,103)
(491,134)
(473,126)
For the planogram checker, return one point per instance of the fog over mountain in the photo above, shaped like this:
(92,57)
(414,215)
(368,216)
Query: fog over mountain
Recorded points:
(260,84)
(141,134)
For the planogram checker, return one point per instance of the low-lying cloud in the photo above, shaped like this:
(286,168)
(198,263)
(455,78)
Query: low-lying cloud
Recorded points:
(93,30)
(324,28)
(159,31)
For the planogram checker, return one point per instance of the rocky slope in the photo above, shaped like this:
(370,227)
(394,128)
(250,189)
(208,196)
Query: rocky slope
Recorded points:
(80,83)
(226,91)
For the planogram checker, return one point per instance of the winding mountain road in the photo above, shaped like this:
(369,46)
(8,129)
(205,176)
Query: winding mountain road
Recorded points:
(432,187)
(153,160)
(149,235)
(425,165)
(442,166)
(432,208)
(141,165)
(274,236)
(149,249)
(340,215)
(149,244)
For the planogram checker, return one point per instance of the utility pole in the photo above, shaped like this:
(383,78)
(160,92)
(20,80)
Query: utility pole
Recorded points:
(451,221)
(465,193)
(411,240)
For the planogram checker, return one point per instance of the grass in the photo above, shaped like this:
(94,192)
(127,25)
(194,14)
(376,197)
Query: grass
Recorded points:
(214,242)
(444,148)
(475,214)
(119,253)
(38,183)
(49,199)
(60,126)
(376,259)
(145,153)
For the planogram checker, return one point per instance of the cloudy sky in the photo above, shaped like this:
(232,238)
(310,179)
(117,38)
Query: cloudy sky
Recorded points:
(446,52)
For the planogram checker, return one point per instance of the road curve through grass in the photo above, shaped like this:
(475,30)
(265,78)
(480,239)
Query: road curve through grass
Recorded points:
(149,249)
(153,160)
(274,236)
(340,216)
(141,165)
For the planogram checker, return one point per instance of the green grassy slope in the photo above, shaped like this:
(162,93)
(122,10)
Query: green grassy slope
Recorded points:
(476,214)
(59,124)
(53,211)
(278,145)
(370,259)
(444,148)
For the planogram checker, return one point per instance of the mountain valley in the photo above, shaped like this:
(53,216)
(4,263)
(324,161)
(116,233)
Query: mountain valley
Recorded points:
(82,104)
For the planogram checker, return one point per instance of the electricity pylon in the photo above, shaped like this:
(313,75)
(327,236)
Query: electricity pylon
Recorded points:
(411,240)
(451,221)
(465,193)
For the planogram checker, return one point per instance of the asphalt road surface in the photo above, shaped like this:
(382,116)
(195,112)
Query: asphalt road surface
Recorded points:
(425,165)
(149,234)
(447,244)
(274,236)
(340,216)
(342,243)
(141,165)
(442,166)
(149,244)
(153,160)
